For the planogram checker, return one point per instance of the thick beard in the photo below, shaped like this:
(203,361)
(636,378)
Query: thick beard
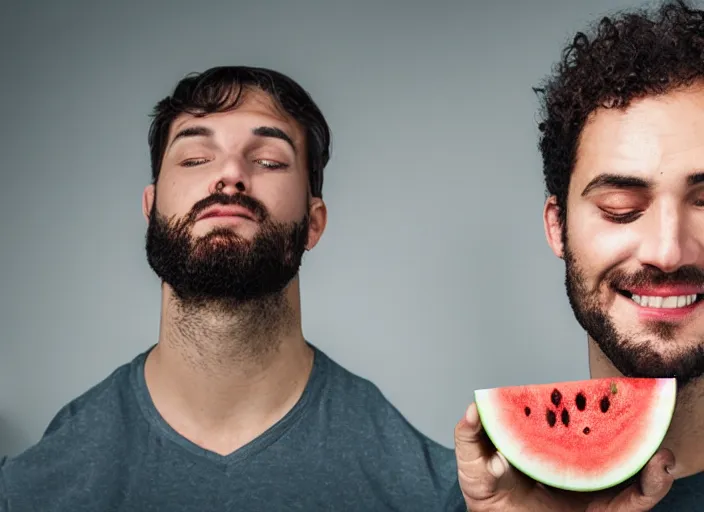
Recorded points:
(632,355)
(220,269)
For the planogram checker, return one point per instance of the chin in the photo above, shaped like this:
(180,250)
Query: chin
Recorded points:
(225,232)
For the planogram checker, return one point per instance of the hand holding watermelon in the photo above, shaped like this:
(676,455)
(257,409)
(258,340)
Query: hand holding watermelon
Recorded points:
(570,446)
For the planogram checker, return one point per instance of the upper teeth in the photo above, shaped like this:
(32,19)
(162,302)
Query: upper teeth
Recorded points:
(674,301)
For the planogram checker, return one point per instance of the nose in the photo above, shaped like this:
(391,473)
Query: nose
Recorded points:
(670,240)
(232,177)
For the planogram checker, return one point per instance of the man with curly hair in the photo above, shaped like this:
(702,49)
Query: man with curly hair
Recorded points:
(623,153)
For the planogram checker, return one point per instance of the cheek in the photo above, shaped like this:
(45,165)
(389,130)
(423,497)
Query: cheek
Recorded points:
(598,244)
(286,200)
(177,197)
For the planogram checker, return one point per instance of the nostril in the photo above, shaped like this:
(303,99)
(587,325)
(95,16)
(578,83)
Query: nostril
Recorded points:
(239,186)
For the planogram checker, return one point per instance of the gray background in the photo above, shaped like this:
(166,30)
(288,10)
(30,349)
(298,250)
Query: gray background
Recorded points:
(433,277)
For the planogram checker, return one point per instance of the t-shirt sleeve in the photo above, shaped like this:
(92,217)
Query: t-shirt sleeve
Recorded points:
(455,501)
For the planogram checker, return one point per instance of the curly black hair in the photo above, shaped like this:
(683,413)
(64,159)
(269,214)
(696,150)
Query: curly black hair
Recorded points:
(627,56)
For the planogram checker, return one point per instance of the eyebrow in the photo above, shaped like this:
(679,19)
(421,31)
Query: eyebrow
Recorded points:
(695,179)
(615,181)
(276,133)
(192,131)
(260,131)
(632,182)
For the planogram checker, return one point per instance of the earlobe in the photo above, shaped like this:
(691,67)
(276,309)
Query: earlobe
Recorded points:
(318,215)
(553,227)
(148,201)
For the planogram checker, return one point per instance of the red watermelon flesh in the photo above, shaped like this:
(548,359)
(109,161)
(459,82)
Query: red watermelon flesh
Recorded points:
(580,435)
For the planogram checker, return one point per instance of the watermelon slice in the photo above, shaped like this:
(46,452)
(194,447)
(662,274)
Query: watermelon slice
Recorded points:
(583,435)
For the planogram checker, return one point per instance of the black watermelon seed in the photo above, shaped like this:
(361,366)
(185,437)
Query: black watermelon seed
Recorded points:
(556,397)
(581,401)
(604,404)
(586,430)
(550,416)
(565,417)
(527,411)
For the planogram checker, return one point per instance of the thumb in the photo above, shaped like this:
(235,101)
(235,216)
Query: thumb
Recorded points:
(653,485)
(483,472)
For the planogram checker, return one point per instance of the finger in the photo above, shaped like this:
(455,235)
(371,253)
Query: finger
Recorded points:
(483,471)
(654,483)
(470,441)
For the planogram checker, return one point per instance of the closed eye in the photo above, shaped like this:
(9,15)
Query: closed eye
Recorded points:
(621,218)
(270,164)
(192,162)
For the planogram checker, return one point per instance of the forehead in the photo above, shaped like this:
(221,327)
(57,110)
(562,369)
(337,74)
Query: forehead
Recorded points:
(255,109)
(659,139)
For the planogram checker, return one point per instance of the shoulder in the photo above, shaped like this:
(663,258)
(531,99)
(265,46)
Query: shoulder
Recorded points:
(97,406)
(3,493)
(348,391)
(367,427)
(87,425)
(686,494)
(357,403)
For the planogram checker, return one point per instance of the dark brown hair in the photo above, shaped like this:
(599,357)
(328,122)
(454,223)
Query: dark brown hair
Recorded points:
(220,89)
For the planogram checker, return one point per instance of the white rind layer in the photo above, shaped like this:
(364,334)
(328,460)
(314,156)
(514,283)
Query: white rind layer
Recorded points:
(519,456)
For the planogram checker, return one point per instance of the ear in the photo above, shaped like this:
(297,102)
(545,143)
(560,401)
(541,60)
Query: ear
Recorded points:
(148,201)
(318,214)
(553,227)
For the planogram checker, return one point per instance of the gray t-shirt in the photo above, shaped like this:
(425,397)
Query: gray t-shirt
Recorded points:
(686,495)
(343,447)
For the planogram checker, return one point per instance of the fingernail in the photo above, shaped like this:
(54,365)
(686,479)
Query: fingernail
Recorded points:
(497,465)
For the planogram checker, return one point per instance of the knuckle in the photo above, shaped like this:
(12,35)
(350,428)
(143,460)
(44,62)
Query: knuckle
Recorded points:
(640,504)
(475,484)
(465,432)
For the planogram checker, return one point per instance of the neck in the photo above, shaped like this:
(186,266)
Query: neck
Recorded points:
(687,427)
(222,373)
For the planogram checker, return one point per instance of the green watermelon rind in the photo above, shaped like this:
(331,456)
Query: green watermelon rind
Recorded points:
(662,411)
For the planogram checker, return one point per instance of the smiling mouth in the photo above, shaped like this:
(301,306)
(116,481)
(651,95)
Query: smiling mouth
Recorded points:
(663,302)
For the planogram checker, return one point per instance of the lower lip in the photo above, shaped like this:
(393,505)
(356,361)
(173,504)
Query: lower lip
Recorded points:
(665,314)
(229,218)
